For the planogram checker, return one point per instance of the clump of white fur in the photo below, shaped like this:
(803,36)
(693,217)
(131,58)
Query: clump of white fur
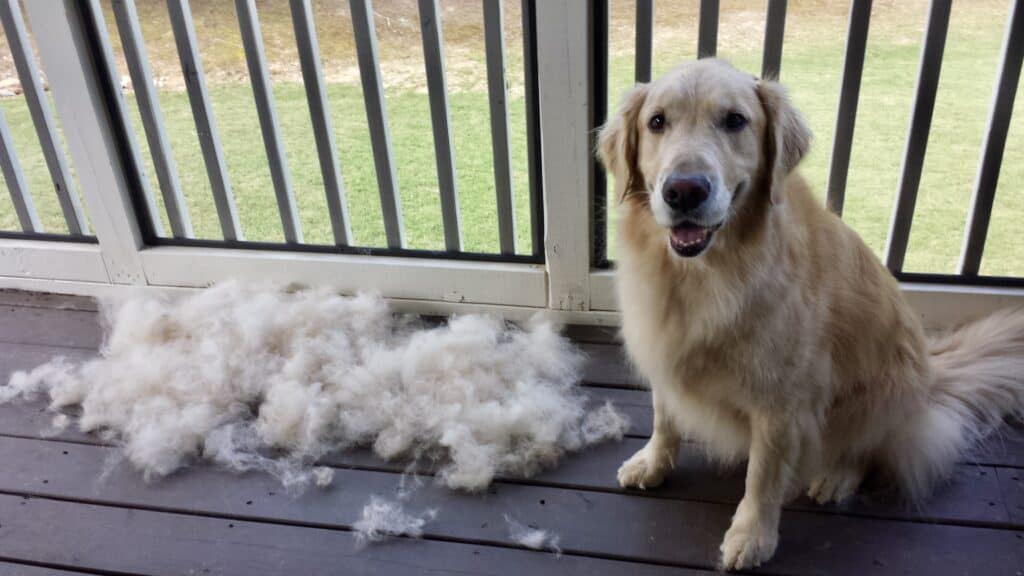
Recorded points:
(532,538)
(260,378)
(382,518)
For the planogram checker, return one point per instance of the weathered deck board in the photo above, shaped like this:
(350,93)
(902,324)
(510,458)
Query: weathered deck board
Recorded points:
(158,543)
(1011,484)
(10,569)
(1005,448)
(48,327)
(681,533)
(30,570)
(973,496)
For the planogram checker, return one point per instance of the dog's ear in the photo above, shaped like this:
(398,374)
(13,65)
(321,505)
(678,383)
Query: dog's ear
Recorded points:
(617,144)
(787,137)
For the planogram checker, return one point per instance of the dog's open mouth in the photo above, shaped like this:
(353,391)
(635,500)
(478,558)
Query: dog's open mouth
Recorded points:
(689,239)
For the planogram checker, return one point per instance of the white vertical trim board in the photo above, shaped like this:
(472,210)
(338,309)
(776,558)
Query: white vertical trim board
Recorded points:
(83,113)
(563,37)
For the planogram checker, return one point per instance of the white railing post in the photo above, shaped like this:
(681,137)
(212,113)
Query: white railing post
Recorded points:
(96,143)
(564,76)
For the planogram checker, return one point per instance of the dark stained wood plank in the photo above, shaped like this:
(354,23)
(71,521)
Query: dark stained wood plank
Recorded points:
(14,357)
(633,404)
(9,569)
(606,365)
(589,523)
(137,541)
(46,300)
(1005,447)
(51,327)
(842,545)
(593,334)
(1011,482)
(972,495)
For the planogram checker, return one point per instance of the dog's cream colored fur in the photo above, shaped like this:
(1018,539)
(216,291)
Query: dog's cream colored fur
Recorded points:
(786,343)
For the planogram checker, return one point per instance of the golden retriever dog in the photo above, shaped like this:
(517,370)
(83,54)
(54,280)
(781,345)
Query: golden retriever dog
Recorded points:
(765,327)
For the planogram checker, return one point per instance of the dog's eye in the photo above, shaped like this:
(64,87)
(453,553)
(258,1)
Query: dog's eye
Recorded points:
(656,123)
(734,122)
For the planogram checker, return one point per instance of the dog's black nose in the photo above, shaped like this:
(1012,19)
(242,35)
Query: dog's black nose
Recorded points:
(686,192)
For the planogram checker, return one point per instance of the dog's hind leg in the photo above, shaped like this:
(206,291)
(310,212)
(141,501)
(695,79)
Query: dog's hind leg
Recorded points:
(836,484)
(647,468)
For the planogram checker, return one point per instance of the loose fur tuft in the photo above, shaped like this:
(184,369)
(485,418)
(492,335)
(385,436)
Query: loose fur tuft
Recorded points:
(257,378)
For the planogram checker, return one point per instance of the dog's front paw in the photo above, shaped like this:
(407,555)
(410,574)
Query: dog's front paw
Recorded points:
(747,545)
(644,470)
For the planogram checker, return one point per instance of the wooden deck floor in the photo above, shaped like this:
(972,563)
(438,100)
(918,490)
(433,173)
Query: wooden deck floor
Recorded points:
(57,517)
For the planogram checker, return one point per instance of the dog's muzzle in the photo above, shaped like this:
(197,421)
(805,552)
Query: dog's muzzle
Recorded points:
(686,196)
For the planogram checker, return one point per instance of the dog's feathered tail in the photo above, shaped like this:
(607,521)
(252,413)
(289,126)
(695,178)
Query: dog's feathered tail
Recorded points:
(977,377)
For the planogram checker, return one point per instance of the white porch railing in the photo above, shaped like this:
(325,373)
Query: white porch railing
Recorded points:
(565,61)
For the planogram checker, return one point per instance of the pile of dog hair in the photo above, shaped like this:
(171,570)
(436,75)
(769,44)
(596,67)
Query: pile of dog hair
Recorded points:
(266,379)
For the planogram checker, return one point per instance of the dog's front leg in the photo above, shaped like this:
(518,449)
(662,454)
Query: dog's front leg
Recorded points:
(774,454)
(647,468)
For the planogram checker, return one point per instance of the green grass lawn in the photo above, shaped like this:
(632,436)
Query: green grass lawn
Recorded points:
(811,67)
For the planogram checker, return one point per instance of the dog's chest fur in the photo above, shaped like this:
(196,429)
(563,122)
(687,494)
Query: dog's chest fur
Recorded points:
(717,344)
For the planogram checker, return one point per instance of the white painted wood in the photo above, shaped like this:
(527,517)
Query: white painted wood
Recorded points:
(85,117)
(939,305)
(602,290)
(416,278)
(945,306)
(43,260)
(563,38)
(403,305)
(511,313)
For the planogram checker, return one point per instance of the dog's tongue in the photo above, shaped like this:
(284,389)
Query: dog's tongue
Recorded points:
(687,234)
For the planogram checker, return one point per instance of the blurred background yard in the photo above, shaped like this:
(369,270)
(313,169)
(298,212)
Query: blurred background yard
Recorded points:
(811,66)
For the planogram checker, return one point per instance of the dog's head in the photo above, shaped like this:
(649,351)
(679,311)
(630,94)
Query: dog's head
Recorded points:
(700,143)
